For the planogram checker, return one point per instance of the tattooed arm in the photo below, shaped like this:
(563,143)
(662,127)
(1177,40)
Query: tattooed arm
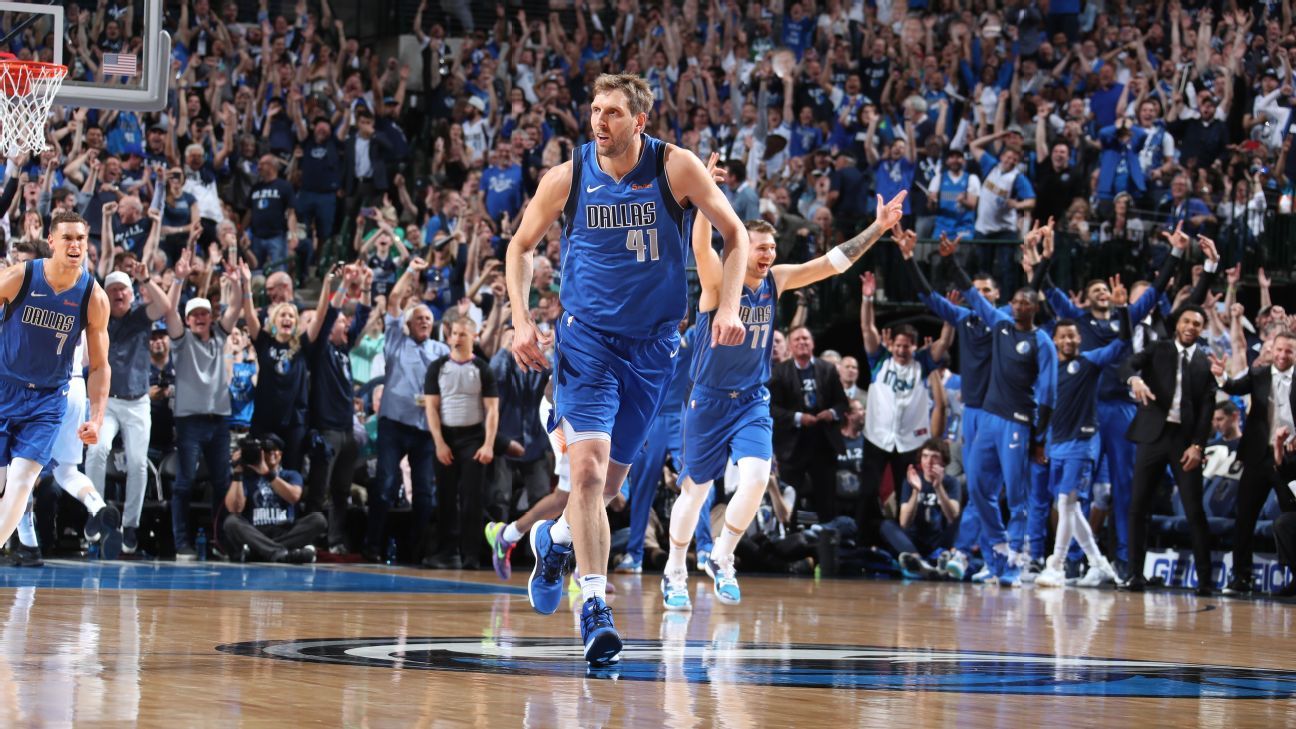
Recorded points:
(841,258)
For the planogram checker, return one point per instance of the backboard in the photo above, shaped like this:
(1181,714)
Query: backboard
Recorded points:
(117,54)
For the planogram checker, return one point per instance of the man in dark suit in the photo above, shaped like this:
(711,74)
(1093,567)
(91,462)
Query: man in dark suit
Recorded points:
(808,403)
(364,166)
(1272,405)
(1176,394)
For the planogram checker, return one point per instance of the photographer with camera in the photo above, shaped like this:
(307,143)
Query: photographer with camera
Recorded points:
(269,531)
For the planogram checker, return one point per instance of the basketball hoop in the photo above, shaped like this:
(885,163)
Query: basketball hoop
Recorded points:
(27,89)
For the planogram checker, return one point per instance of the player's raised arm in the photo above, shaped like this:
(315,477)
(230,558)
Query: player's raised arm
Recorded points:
(840,259)
(97,384)
(710,269)
(690,181)
(545,208)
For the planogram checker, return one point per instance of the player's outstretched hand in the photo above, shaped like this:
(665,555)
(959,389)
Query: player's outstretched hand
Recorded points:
(1209,248)
(1177,239)
(890,212)
(1141,392)
(1217,366)
(713,168)
(727,329)
(529,345)
(88,433)
(947,246)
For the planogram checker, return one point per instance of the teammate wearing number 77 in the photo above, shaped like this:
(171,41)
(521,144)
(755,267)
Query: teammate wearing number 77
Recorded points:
(727,417)
(623,197)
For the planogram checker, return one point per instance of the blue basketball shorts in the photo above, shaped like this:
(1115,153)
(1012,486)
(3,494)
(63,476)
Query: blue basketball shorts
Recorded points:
(605,383)
(1070,476)
(29,421)
(720,427)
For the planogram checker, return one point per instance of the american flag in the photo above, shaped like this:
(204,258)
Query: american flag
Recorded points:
(119,64)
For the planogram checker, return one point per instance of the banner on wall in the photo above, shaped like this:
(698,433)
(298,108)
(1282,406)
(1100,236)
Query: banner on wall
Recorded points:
(1177,569)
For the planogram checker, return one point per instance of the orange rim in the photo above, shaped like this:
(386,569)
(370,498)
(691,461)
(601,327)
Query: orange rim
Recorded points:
(35,69)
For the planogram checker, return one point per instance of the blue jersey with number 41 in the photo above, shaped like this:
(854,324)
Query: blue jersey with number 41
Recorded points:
(624,247)
(745,365)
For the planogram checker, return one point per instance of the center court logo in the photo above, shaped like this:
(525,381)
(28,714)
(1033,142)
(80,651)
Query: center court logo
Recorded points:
(810,666)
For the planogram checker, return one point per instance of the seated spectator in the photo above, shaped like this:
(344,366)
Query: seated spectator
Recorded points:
(262,523)
(929,513)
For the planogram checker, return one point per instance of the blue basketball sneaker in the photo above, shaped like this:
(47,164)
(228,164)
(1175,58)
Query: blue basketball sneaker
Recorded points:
(995,564)
(726,581)
(675,595)
(1010,570)
(544,589)
(602,644)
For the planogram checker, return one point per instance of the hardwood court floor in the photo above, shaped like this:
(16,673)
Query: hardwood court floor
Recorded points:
(156,644)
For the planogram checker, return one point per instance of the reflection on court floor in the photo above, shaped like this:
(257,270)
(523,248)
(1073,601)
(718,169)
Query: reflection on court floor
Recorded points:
(223,576)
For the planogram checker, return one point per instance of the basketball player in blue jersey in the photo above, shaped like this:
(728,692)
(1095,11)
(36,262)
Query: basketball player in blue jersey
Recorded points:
(1116,409)
(623,197)
(974,342)
(48,303)
(727,416)
(1073,449)
(1017,406)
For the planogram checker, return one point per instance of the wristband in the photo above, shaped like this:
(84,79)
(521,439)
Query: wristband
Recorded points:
(839,260)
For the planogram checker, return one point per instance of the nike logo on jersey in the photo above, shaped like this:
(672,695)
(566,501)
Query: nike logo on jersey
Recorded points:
(1013,445)
(592,189)
(37,294)
(674,353)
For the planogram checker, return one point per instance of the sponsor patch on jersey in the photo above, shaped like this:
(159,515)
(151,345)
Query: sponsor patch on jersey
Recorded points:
(645,186)
(1115,326)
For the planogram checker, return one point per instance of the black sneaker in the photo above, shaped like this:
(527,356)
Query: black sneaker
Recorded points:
(443,562)
(25,556)
(94,526)
(1239,587)
(108,521)
(1135,584)
(186,554)
(130,540)
(304,555)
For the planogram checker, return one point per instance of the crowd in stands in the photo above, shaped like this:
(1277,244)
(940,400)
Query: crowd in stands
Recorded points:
(295,158)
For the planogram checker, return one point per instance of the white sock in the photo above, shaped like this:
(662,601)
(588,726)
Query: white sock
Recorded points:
(593,586)
(79,486)
(683,521)
(726,542)
(27,530)
(560,532)
(1084,535)
(1065,527)
(511,533)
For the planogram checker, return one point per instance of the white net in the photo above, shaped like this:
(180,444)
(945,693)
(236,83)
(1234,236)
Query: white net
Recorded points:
(26,92)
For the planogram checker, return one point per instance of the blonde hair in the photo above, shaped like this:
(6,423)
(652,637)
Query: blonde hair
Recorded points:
(638,95)
(294,337)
